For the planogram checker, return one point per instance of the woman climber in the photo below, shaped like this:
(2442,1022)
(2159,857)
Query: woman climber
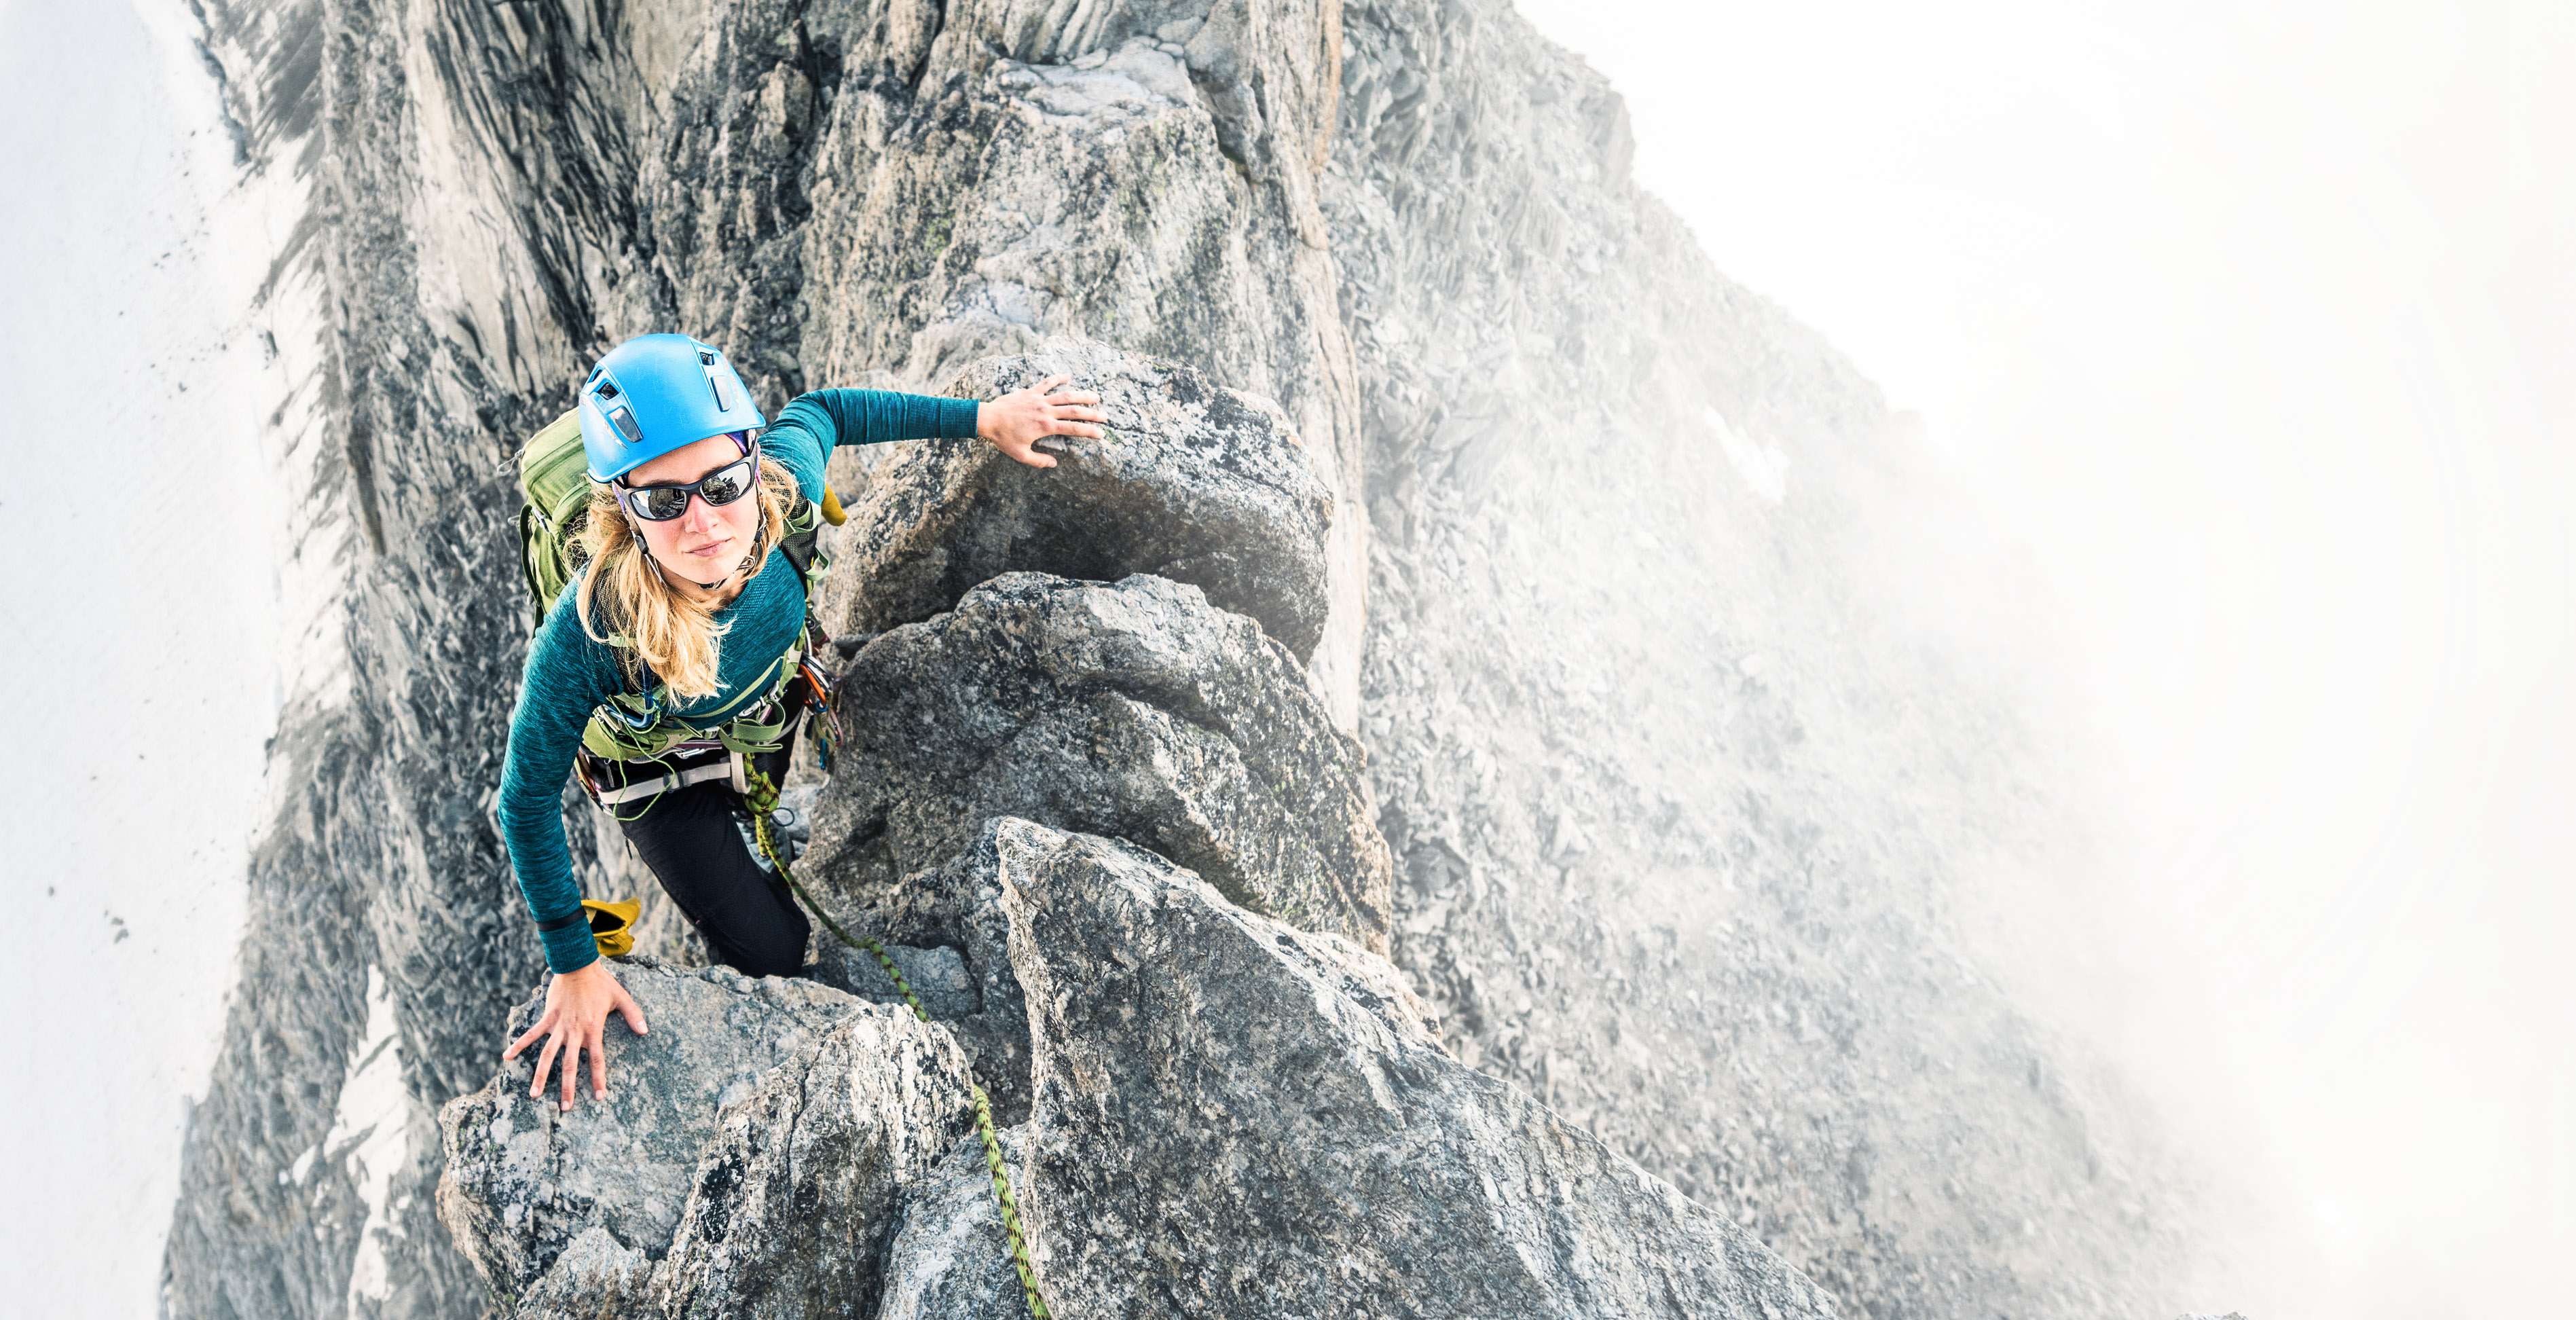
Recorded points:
(672,670)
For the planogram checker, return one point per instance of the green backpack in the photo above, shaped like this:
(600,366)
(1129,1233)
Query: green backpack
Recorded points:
(554,493)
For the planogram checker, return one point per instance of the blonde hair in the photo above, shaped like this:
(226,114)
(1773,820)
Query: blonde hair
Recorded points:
(647,619)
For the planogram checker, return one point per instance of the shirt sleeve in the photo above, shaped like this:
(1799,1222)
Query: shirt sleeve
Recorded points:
(568,675)
(807,430)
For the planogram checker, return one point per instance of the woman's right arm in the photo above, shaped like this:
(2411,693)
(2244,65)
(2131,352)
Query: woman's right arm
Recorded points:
(568,675)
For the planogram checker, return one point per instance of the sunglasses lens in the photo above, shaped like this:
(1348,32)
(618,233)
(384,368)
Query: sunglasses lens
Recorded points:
(727,486)
(720,487)
(658,503)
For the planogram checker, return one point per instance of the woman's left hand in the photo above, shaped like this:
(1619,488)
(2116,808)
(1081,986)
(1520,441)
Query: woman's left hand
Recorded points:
(1015,422)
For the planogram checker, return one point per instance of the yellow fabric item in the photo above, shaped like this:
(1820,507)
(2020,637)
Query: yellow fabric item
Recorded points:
(613,925)
(833,513)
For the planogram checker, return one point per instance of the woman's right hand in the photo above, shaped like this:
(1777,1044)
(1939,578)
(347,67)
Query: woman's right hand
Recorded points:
(577,1005)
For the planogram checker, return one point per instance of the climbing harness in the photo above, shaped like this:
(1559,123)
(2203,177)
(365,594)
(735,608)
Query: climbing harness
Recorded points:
(762,800)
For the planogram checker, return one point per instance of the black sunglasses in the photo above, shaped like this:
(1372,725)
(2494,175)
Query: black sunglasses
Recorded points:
(719,488)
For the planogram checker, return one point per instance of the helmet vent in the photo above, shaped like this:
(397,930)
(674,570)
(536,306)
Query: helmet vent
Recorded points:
(607,389)
(624,420)
(715,382)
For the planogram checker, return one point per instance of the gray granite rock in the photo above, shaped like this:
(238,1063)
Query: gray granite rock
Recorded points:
(748,1160)
(956,908)
(937,976)
(1196,482)
(1686,808)
(526,1180)
(1132,709)
(951,1259)
(795,1199)
(1236,1117)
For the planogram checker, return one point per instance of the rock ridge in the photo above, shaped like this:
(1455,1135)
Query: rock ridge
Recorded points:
(1163,1170)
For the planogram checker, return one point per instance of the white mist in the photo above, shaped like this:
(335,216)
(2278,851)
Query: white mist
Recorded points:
(2251,321)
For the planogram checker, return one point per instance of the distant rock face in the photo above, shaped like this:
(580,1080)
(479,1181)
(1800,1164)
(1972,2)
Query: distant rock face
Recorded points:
(1197,483)
(748,1161)
(1134,709)
(1235,1117)
(1696,799)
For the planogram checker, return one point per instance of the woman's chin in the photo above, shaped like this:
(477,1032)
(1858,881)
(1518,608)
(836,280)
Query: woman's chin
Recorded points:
(698,568)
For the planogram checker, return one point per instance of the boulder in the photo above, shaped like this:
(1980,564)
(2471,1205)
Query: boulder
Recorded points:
(1228,1115)
(526,1184)
(749,1160)
(1196,482)
(804,1183)
(1237,1117)
(1133,709)
(953,910)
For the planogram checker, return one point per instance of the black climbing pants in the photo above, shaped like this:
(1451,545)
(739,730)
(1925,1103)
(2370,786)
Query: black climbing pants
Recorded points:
(691,839)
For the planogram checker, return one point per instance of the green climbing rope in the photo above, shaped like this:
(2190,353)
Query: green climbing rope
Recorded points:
(763,799)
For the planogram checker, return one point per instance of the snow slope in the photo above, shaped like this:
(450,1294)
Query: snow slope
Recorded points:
(131,253)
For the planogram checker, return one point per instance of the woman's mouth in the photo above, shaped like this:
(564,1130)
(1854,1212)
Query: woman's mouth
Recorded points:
(709,550)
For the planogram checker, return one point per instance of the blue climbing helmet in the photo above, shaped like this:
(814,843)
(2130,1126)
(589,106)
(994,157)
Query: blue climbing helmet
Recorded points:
(656,393)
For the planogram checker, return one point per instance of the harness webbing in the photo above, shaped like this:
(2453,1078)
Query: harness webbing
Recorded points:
(763,799)
(666,783)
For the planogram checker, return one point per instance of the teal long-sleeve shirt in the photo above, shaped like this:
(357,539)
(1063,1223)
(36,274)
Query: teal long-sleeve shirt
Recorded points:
(569,673)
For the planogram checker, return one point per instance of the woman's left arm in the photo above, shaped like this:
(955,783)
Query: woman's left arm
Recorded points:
(808,429)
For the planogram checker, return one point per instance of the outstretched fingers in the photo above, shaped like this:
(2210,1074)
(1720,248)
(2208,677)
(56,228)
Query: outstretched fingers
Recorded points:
(546,1062)
(631,1011)
(1069,421)
(525,1041)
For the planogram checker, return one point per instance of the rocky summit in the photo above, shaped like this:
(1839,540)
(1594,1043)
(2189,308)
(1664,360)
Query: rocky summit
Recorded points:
(1231,1117)
(1450,808)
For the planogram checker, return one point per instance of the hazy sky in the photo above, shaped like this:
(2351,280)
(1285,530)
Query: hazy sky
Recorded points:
(2254,321)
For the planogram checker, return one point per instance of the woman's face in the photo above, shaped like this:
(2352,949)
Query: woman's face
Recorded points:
(705,543)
